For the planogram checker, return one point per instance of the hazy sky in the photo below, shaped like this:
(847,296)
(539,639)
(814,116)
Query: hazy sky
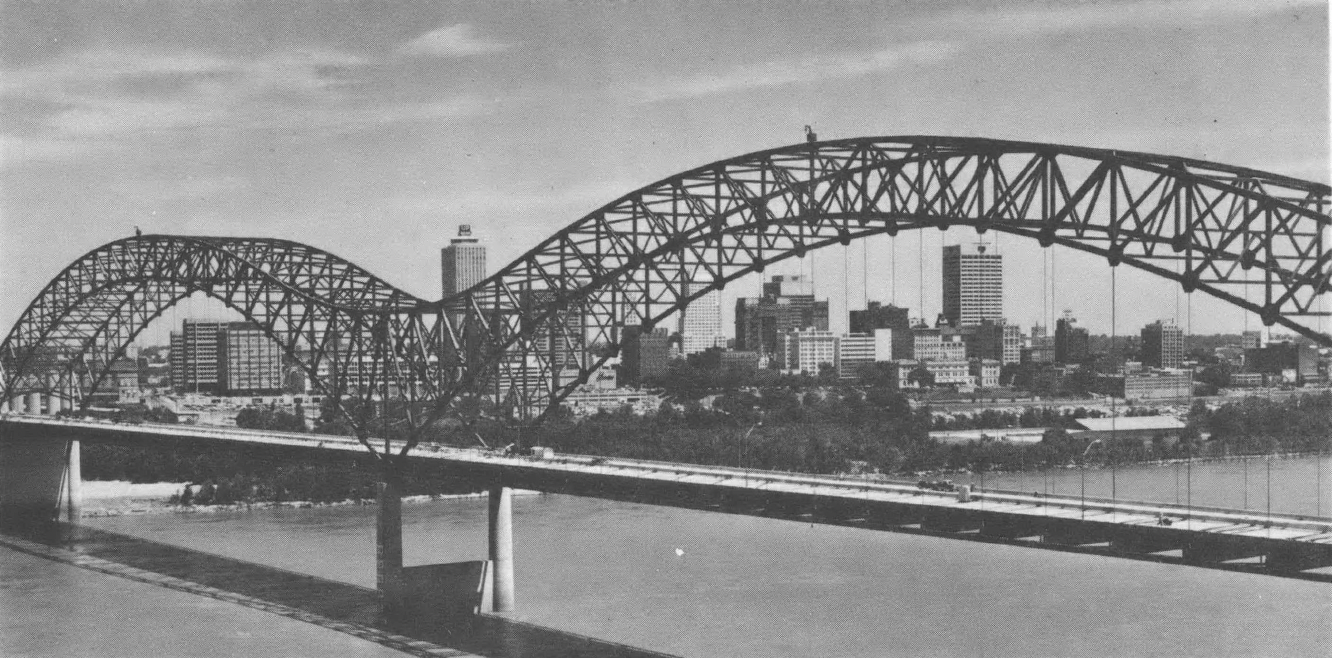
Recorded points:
(371,129)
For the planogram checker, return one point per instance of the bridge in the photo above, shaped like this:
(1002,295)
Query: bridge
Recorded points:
(525,337)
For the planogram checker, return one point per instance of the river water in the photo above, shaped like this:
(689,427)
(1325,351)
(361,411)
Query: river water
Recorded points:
(706,584)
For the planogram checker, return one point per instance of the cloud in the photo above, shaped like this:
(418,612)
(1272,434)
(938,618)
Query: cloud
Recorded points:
(1083,17)
(99,99)
(789,72)
(951,33)
(459,40)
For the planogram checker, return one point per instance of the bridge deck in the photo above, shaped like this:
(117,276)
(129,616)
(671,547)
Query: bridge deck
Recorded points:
(1290,544)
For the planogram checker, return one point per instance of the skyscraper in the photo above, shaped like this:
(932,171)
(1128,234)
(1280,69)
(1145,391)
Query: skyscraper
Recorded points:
(700,322)
(645,354)
(973,284)
(224,357)
(463,262)
(1162,345)
(1072,344)
(194,357)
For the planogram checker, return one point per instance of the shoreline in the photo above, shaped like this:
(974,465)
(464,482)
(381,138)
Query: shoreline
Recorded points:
(135,505)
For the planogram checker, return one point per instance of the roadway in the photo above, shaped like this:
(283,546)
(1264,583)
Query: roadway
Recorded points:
(1242,540)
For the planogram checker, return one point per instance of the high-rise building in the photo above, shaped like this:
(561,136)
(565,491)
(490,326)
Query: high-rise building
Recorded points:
(973,284)
(700,322)
(644,354)
(857,352)
(1162,345)
(224,357)
(787,304)
(194,357)
(561,338)
(878,316)
(994,340)
(248,360)
(1071,344)
(808,350)
(463,262)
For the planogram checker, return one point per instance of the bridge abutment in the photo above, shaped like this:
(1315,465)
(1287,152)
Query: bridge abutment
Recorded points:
(40,481)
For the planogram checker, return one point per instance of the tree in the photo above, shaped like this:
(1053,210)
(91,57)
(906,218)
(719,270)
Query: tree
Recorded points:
(827,374)
(921,376)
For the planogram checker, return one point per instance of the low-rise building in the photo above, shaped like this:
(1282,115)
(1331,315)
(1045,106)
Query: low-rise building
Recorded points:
(984,372)
(1130,428)
(587,401)
(956,374)
(1153,385)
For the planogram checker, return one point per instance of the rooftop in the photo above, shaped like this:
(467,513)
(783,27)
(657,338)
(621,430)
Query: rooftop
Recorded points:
(1130,423)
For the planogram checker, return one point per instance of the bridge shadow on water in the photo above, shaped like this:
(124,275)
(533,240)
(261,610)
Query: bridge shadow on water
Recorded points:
(335,605)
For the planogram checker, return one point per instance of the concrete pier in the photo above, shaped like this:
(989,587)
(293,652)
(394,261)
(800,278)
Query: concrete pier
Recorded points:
(17,405)
(73,507)
(501,547)
(388,546)
(53,404)
(35,403)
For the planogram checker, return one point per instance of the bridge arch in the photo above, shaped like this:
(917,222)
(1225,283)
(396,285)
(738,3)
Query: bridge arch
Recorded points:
(542,324)
(301,297)
(646,255)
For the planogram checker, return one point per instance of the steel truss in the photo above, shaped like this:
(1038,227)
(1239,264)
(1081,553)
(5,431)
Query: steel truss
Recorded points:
(542,325)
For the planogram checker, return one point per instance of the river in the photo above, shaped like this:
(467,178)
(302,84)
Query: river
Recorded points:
(736,586)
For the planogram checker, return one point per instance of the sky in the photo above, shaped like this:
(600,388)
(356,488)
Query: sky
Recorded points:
(372,129)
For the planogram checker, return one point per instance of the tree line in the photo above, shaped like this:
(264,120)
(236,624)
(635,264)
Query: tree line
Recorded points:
(835,430)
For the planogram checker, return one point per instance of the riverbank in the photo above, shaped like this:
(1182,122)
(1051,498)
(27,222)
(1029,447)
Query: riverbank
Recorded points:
(110,498)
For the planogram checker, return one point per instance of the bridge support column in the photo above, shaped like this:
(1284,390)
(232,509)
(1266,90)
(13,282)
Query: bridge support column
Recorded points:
(74,483)
(53,404)
(501,547)
(35,403)
(388,547)
(17,405)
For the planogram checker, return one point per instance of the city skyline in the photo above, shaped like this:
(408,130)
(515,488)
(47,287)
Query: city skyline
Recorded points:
(372,134)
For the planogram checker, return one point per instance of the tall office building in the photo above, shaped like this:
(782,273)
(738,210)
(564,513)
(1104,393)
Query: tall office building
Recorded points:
(1162,345)
(878,316)
(787,305)
(194,357)
(224,357)
(1071,344)
(248,360)
(463,262)
(973,284)
(645,354)
(700,322)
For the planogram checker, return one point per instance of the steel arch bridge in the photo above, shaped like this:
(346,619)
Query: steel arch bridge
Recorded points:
(541,325)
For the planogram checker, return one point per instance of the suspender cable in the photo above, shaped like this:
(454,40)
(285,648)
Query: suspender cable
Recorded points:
(893,266)
(920,271)
(1113,360)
